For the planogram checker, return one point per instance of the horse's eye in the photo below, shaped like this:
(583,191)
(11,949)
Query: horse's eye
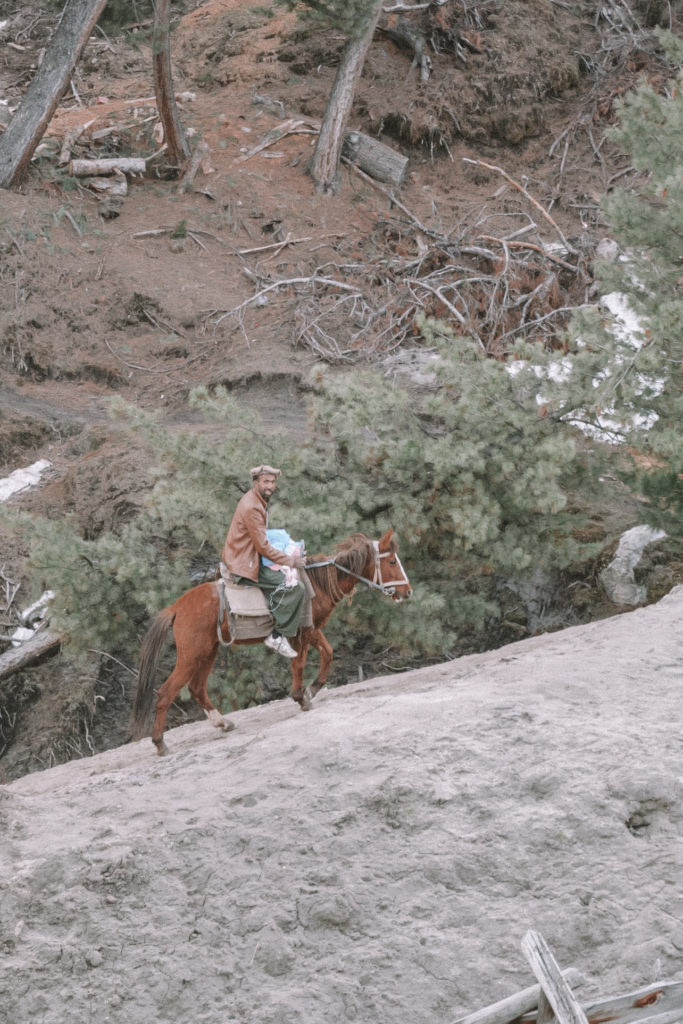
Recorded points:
(392,562)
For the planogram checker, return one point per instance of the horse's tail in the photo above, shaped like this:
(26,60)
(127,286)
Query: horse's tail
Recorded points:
(150,655)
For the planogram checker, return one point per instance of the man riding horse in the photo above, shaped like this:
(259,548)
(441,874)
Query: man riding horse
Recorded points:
(247,544)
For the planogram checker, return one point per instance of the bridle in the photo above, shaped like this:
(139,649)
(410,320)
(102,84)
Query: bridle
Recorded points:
(376,582)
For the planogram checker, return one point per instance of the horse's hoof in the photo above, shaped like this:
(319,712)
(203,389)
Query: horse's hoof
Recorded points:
(307,700)
(162,749)
(217,720)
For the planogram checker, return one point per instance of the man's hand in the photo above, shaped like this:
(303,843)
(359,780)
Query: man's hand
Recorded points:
(295,562)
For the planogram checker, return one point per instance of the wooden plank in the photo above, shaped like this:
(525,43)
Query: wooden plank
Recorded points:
(672,1017)
(512,1007)
(544,1011)
(544,966)
(661,1002)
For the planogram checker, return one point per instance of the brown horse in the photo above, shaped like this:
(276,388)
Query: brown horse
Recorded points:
(196,621)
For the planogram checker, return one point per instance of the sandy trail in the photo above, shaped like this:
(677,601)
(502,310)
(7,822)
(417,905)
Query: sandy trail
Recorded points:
(378,859)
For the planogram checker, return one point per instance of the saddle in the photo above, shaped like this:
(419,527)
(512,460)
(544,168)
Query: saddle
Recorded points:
(247,611)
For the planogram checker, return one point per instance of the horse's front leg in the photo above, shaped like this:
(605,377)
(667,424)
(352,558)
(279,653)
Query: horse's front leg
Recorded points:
(325,650)
(199,690)
(297,692)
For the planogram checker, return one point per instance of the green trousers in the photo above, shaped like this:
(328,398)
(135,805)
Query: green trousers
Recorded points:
(284,602)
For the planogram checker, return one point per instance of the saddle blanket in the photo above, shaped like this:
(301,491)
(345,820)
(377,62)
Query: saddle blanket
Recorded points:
(249,617)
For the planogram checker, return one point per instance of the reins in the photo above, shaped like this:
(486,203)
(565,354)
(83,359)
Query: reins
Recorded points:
(382,587)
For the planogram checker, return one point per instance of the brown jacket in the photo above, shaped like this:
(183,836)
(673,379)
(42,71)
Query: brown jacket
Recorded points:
(246,539)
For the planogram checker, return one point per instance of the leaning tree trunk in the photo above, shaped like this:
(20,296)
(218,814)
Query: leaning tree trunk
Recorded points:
(27,127)
(176,144)
(324,166)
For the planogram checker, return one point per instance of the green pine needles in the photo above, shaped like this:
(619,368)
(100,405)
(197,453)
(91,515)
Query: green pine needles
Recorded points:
(637,376)
(348,16)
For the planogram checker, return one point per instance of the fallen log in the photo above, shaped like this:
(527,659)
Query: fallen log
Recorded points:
(379,161)
(17,657)
(292,126)
(126,164)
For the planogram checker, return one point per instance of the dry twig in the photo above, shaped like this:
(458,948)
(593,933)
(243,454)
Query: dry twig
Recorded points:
(520,188)
(329,282)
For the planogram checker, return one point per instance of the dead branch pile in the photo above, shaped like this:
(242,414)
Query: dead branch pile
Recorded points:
(507,274)
(627,46)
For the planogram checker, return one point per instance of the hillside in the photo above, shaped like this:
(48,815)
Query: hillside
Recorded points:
(376,860)
(149,296)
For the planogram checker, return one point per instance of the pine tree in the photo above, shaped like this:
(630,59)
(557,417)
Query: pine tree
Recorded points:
(632,380)
(474,475)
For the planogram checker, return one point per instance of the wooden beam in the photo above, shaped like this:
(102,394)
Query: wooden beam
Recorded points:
(658,1003)
(544,1011)
(550,978)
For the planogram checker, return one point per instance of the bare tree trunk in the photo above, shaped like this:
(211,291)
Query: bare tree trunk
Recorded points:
(176,144)
(27,127)
(324,166)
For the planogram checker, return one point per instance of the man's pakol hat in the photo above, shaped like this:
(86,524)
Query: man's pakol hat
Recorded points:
(258,471)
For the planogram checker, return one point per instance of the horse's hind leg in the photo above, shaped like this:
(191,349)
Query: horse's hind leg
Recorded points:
(167,694)
(195,674)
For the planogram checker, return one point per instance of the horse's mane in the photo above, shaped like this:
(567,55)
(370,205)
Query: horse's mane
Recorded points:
(352,554)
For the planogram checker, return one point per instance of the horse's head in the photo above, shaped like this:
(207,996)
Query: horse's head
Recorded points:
(389,572)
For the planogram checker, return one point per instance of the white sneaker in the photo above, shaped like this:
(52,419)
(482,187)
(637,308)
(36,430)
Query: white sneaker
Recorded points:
(280,644)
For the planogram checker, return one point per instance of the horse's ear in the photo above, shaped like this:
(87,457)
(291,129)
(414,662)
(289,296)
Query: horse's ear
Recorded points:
(385,541)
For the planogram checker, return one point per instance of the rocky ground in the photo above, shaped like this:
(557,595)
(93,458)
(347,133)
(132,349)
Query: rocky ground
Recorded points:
(94,304)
